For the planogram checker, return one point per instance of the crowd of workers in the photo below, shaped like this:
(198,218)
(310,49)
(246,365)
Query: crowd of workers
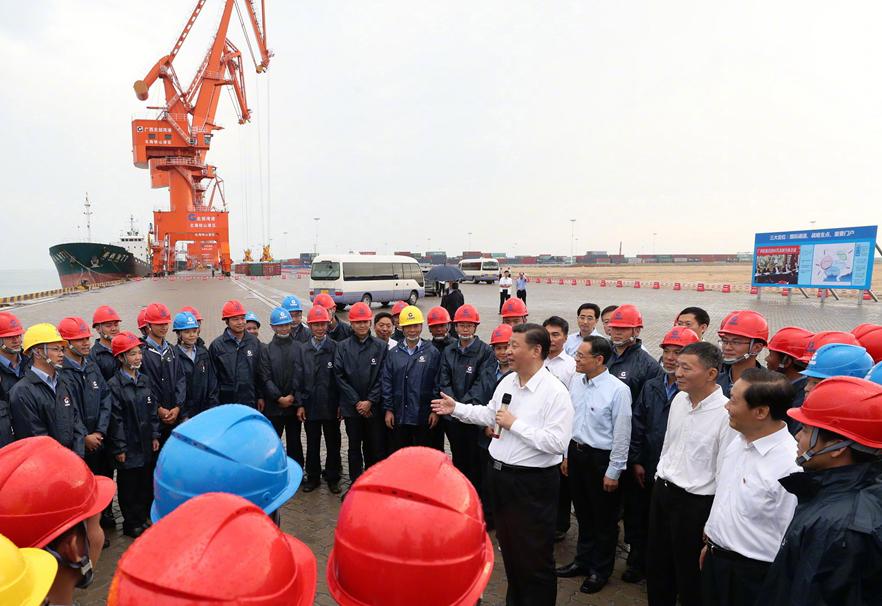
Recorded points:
(735,483)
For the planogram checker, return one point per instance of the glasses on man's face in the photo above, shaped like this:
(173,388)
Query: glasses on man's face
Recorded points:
(580,356)
(733,342)
(55,349)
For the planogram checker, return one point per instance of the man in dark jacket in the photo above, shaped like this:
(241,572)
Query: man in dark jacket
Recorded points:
(235,355)
(786,348)
(648,424)
(452,301)
(105,322)
(408,380)
(161,364)
(42,405)
(832,550)
(463,366)
(195,364)
(13,365)
(357,365)
(299,331)
(318,403)
(278,360)
(337,329)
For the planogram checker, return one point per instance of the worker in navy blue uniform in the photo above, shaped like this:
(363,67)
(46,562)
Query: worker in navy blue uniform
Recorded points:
(134,434)
(648,424)
(786,349)
(252,325)
(236,358)
(409,379)
(460,376)
(315,390)
(743,335)
(357,365)
(337,329)
(278,361)
(195,364)
(299,330)
(13,364)
(105,322)
(440,323)
(397,334)
(161,364)
(42,405)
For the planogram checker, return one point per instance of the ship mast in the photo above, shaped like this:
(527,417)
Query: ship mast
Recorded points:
(88,214)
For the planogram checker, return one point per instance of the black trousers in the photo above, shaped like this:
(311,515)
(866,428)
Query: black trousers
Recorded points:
(564,505)
(730,579)
(524,504)
(503,297)
(463,439)
(522,295)
(637,501)
(292,427)
(135,495)
(596,510)
(485,492)
(333,462)
(101,464)
(416,435)
(676,528)
(366,442)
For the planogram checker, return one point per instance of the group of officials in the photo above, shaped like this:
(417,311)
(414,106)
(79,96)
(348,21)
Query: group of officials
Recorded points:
(686,447)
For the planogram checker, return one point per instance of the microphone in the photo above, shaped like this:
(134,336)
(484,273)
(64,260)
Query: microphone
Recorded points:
(506,400)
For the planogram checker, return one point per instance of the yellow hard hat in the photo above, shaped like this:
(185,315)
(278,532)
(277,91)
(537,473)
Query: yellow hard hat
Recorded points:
(38,334)
(26,575)
(410,315)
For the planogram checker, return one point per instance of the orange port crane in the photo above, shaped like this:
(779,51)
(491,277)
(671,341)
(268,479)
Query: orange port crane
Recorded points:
(175,144)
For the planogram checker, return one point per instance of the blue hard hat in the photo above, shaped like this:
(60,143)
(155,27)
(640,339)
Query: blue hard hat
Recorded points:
(252,317)
(291,303)
(184,320)
(839,360)
(279,316)
(875,374)
(230,448)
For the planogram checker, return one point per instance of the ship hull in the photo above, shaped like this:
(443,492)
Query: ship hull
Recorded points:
(84,263)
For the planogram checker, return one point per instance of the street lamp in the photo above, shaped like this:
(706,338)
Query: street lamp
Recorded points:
(572,239)
(315,241)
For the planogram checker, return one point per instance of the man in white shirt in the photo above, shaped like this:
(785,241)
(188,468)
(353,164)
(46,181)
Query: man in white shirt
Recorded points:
(504,288)
(587,316)
(597,456)
(751,508)
(534,417)
(560,363)
(697,435)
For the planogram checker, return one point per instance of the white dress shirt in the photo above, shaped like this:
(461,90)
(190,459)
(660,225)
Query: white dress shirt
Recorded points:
(562,366)
(505,284)
(751,509)
(393,343)
(576,339)
(602,417)
(695,441)
(541,434)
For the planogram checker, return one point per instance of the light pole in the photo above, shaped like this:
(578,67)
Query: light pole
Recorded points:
(572,239)
(315,241)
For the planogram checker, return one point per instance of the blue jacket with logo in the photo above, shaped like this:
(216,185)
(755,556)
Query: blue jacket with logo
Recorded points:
(103,357)
(167,378)
(461,375)
(357,365)
(315,385)
(409,382)
(90,392)
(8,379)
(201,381)
(37,411)
(634,367)
(236,365)
(649,423)
(134,423)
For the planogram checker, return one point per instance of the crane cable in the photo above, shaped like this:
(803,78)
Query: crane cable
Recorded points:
(245,32)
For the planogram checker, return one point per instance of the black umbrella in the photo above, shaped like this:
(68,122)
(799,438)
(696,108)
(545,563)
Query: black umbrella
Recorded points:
(445,273)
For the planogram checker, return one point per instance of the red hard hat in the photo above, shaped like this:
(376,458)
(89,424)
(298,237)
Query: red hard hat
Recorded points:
(10,326)
(819,339)
(626,316)
(124,342)
(411,531)
(501,334)
(680,336)
(847,406)
(73,328)
(104,313)
(231,309)
(193,311)
(397,307)
(317,314)
(325,301)
(746,323)
(436,316)
(196,555)
(360,312)
(514,308)
(46,489)
(142,318)
(468,313)
(870,336)
(790,341)
(157,313)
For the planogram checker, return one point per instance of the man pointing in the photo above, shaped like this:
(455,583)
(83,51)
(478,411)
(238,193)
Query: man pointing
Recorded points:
(534,432)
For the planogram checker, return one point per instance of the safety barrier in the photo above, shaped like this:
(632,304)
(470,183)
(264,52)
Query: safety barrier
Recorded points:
(55,292)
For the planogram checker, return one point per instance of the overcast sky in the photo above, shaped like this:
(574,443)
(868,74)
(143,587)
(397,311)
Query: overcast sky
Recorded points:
(406,125)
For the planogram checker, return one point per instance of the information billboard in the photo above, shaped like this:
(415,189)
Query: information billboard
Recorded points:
(815,258)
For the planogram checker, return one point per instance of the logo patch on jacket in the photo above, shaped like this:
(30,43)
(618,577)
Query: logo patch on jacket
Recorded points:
(373,361)
(469,370)
(94,384)
(66,401)
(623,375)
(421,359)
(248,353)
(330,365)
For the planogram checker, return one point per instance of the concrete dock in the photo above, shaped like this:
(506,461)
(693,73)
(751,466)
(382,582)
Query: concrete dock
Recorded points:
(312,517)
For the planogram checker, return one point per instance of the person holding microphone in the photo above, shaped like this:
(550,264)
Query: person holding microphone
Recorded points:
(533,416)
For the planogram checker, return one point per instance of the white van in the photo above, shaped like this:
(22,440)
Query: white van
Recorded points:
(480,270)
(349,279)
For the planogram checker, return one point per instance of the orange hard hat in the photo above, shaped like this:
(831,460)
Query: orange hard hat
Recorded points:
(501,334)
(45,489)
(325,301)
(317,314)
(418,521)
(10,326)
(360,312)
(195,555)
(626,316)
(231,309)
(157,313)
(746,323)
(790,341)
(468,313)
(193,311)
(398,306)
(514,308)
(870,336)
(142,318)
(847,406)
(104,313)
(437,315)
(124,342)
(680,336)
(819,339)
(73,328)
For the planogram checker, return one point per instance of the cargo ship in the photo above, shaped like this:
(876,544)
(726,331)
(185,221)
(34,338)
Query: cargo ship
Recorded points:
(85,263)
